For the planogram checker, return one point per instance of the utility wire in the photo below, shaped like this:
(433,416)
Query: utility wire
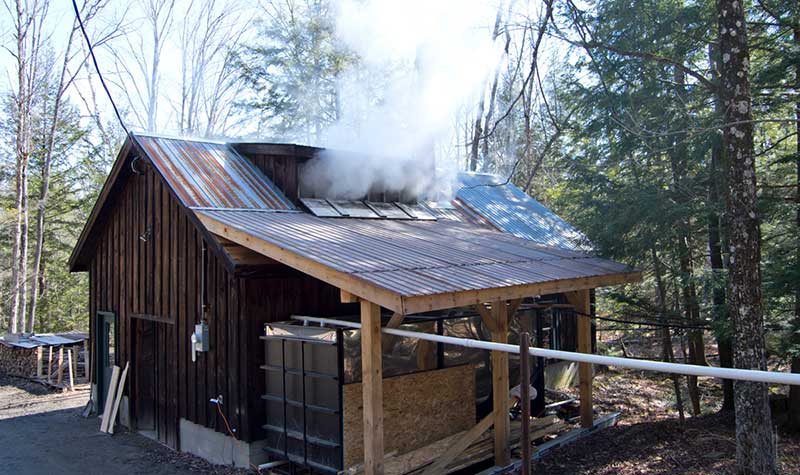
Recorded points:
(97,67)
(646,323)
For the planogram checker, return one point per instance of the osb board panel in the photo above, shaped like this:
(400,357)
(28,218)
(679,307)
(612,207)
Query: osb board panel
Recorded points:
(418,408)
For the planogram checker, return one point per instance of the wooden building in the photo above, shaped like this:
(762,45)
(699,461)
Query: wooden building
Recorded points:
(221,234)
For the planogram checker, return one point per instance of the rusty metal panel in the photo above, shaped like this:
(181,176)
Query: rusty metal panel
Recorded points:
(415,258)
(211,174)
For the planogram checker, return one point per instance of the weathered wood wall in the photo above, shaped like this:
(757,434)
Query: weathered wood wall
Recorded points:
(281,163)
(147,269)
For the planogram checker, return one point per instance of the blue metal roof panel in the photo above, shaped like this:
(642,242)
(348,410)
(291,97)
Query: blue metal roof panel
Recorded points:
(513,211)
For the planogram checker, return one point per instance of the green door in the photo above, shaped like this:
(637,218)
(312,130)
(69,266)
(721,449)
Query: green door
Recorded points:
(105,351)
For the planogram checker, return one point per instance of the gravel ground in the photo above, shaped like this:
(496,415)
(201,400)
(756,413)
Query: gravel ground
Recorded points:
(42,432)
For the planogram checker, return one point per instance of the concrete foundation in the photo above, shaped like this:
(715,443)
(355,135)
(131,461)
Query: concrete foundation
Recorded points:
(219,448)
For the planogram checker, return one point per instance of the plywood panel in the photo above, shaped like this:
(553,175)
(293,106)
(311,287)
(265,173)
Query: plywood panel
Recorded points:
(419,408)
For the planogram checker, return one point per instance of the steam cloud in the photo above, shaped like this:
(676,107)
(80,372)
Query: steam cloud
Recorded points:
(425,59)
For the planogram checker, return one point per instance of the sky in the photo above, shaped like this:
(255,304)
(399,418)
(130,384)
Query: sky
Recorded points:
(447,44)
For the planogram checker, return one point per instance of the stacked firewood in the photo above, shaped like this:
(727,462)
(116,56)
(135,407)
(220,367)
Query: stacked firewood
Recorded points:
(17,361)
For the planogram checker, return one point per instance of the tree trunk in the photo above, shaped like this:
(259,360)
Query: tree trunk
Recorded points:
(477,132)
(479,129)
(794,391)
(37,279)
(26,49)
(666,337)
(719,310)
(691,308)
(495,81)
(755,440)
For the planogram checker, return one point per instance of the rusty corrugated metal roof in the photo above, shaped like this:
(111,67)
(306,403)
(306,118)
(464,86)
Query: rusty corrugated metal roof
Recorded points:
(211,174)
(411,258)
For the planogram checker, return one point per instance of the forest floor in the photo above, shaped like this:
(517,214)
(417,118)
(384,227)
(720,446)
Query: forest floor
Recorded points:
(649,439)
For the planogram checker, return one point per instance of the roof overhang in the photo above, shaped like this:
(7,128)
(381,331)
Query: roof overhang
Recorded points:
(310,245)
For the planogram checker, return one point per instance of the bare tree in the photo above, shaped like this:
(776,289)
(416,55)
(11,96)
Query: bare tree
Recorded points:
(208,40)
(63,81)
(28,16)
(144,47)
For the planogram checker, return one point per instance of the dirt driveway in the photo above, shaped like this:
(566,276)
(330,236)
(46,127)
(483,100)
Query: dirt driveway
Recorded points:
(44,433)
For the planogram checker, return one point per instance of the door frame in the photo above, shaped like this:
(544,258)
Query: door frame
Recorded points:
(101,346)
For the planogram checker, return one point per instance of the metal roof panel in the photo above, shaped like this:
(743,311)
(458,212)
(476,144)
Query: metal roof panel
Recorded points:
(415,258)
(211,174)
(513,211)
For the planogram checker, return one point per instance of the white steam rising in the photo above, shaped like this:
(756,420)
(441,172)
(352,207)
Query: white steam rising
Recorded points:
(421,61)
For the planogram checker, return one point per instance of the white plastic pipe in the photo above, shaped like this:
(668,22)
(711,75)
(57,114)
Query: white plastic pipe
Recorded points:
(771,377)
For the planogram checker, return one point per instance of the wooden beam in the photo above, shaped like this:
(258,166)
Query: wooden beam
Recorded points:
(425,303)
(500,386)
(513,306)
(396,320)
(487,317)
(581,300)
(347,297)
(372,387)
(459,446)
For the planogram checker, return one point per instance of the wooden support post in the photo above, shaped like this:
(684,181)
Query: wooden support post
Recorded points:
(525,396)
(60,371)
(76,356)
(87,361)
(70,377)
(49,363)
(39,362)
(500,386)
(396,320)
(580,299)
(426,350)
(372,387)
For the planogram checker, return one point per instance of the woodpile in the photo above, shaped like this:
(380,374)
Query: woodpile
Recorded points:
(58,366)
(16,361)
(417,462)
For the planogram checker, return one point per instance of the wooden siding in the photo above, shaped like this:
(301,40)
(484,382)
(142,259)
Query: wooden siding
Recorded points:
(283,170)
(146,269)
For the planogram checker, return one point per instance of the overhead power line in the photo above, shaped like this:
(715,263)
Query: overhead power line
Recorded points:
(647,323)
(97,67)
